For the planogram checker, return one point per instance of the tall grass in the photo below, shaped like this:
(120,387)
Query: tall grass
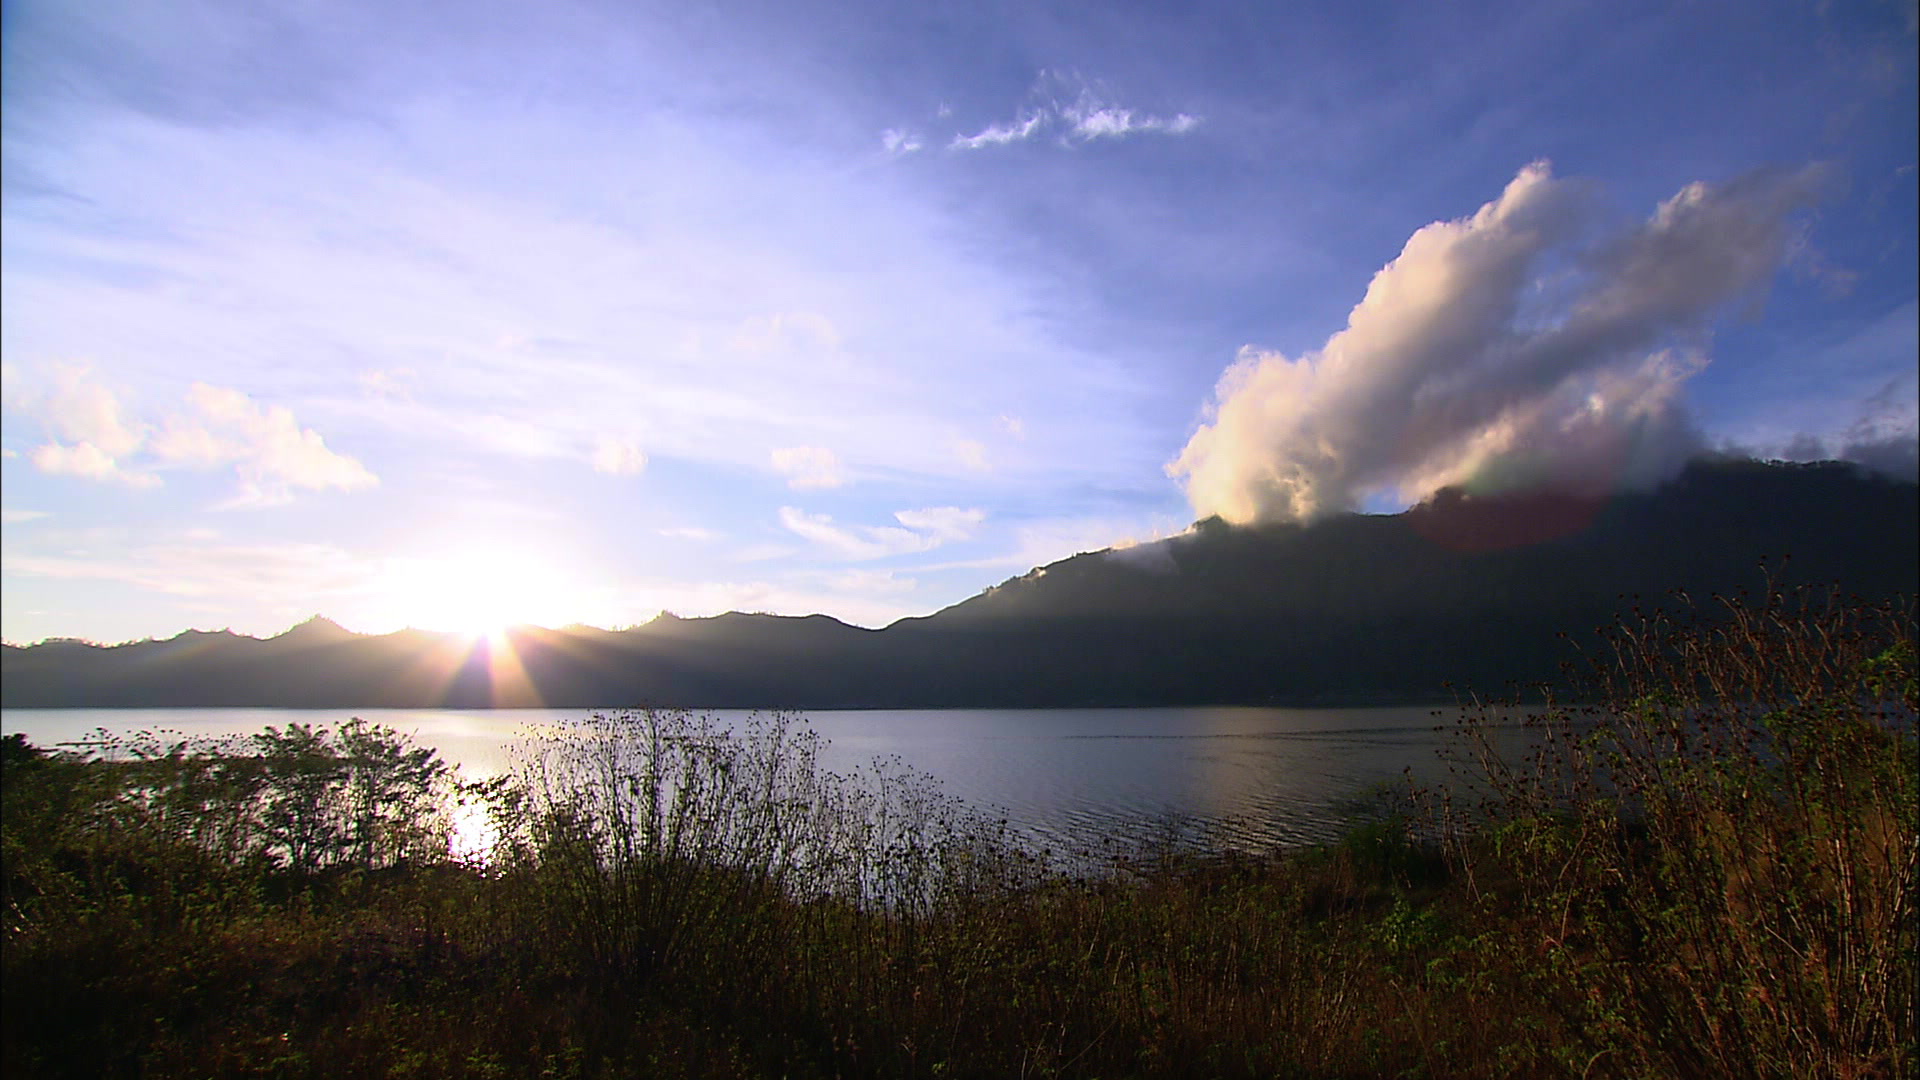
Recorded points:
(1711,863)
(1705,868)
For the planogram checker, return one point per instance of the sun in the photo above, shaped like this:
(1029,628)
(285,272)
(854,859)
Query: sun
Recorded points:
(480,593)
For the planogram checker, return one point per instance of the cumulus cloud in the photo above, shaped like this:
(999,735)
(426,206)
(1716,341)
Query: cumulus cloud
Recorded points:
(1504,348)
(91,431)
(809,468)
(268,449)
(617,457)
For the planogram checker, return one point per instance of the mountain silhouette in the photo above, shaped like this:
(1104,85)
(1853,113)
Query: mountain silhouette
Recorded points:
(1473,590)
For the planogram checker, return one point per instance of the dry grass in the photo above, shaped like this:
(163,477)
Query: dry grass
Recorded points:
(1708,869)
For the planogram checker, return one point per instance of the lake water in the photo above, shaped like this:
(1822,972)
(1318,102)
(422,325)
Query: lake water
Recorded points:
(1075,779)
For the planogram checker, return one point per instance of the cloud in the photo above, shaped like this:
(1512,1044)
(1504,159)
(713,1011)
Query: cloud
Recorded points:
(1079,112)
(944,522)
(90,427)
(689,532)
(972,454)
(900,143)
(923,530)
(1040,543)
(860,542)
(95,435)
(617,457)
(238,581)
(870,581)
(1499,349)
(269,450)
(1088,119)
(86,459)
(1884,437)
(809,468)
(1001,134)
(17,517)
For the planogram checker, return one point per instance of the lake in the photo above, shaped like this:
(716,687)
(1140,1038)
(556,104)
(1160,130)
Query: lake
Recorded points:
(1073,779)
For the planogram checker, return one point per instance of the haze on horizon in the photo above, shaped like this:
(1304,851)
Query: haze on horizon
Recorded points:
(454,318)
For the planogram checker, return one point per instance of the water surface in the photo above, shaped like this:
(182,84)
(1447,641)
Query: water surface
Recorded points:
(1076,779)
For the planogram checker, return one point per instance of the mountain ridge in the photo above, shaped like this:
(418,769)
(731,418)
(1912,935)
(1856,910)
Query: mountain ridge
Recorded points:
(1465,588)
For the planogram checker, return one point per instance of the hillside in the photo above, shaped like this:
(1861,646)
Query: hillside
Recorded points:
(1356,608)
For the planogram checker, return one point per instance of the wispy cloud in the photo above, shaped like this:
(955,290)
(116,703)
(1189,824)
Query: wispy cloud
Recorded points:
(947,523)
(1077,111)
(919,530)
(1001,134)
(809,468)
(899,143)
(1089,119)
(236,582)
(20,517)
(1038,543)
(859,542)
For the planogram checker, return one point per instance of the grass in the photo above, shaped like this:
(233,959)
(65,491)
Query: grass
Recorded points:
(1704,868)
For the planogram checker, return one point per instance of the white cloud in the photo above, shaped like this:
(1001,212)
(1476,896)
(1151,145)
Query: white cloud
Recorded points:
(809,468)
(1038,543)
(972,454)
(923,530)
(1497,348)
(870,581)
(95,435)
(86,459)
(240,581)
(899,142)
(91,431)
(945,523)
(860,542)
(617,457)
(1089,119)
(1001,134)
(1085,116)
(17,517)
(269,450)
(1014,426)
(689,532)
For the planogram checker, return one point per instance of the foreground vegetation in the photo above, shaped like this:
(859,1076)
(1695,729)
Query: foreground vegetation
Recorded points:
(1705,868)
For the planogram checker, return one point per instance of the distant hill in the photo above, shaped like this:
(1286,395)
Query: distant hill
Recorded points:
(1353,609)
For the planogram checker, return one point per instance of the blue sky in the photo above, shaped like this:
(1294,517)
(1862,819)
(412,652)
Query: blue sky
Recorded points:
(447,315)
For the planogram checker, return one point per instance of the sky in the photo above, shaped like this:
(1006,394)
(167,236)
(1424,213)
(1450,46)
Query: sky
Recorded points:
(574,312)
